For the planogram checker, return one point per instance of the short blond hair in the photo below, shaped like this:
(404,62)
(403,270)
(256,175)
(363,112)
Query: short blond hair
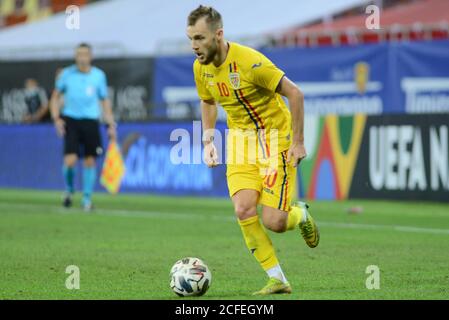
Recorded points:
(213,17)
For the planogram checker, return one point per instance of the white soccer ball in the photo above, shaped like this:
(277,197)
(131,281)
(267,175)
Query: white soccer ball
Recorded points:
(190,277)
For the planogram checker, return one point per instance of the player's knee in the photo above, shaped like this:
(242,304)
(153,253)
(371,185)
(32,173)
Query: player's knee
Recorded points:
(244,211)
(89,162)
(275,225)
(70,160)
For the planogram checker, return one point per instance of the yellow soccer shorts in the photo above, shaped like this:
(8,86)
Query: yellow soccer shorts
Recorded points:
(274,179)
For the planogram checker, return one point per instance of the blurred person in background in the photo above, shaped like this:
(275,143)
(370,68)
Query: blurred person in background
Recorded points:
(58,73)
(36,101)
(84,90)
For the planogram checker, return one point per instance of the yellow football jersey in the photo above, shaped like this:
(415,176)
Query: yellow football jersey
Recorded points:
(245,86)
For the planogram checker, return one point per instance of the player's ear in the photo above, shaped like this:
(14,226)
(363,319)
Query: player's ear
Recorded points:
(219,33)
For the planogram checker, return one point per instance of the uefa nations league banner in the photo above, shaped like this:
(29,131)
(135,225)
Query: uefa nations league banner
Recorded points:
(378,157)
(403,158)
(386,78)
(358,156)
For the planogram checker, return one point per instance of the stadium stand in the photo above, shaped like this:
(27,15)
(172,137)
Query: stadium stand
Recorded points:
(416,20)
(13,12)
(118,35)
(340,25)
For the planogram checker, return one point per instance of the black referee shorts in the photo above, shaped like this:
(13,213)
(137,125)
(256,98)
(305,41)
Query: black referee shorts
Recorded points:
(82,137)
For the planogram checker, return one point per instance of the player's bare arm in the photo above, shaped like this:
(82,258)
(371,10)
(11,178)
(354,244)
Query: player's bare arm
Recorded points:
(55,113)
(109,118)
(209,118)
(295,98)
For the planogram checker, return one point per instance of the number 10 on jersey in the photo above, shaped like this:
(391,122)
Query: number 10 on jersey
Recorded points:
(223,88)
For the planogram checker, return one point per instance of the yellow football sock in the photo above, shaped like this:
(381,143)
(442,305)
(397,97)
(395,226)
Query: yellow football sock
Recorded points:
(258,242)
(294,216)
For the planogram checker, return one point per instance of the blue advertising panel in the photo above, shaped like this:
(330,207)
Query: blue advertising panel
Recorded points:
(421,76)
(31,157)
(385,78)
(166,158)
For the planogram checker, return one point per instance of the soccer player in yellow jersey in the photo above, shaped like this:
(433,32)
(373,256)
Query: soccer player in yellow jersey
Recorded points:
(249,87)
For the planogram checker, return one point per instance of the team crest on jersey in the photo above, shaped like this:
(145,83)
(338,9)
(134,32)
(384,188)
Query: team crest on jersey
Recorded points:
(234,79)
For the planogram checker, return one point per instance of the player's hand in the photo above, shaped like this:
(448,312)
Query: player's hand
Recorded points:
(60,127)
(296,153)
(210,155)
(112,132)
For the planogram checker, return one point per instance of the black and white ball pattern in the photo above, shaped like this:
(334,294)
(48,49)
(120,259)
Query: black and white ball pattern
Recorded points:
(190,277)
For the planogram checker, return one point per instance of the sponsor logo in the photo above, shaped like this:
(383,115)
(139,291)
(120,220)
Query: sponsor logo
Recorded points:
(360,95)
(361,76)
(426,94)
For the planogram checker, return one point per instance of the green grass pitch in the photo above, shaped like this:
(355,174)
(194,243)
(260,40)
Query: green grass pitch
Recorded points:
(125,249)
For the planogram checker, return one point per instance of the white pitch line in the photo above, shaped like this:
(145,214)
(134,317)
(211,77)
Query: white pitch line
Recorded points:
(383,227)
(191,216)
